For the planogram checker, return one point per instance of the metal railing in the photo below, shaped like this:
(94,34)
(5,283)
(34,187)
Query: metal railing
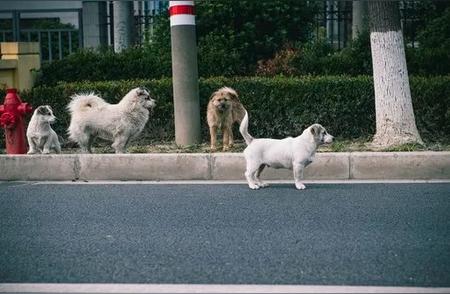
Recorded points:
(335,19)
(54,43)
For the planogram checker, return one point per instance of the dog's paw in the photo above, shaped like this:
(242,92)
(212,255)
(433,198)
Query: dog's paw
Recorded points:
(31,152)
(263,185)
(253,186)
(46,152)
(213,148)
(300,186)
(226,148)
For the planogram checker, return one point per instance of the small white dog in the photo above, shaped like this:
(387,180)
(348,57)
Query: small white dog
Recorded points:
(291,153)
(41,137)
(93,117)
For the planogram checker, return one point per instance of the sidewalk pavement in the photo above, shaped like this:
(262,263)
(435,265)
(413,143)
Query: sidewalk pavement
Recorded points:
(221,166)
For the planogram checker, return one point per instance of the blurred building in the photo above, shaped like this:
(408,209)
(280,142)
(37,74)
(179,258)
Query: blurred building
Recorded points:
(61,27)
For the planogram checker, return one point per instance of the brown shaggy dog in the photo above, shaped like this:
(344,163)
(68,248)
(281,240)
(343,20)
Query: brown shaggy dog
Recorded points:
(224,108)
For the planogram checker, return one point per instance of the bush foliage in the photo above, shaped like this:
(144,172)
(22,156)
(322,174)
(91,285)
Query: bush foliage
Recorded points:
(278,107)
(233,35)
(105,65)
(313,58)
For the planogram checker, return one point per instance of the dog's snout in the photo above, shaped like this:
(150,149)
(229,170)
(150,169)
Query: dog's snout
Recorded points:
(151,102)
(328,139)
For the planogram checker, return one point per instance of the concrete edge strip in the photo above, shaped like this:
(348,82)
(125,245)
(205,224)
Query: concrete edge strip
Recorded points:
(350,166)
(224,182)
(427,170)
(199,288)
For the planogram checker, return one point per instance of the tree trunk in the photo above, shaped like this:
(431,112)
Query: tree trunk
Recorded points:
(395,122)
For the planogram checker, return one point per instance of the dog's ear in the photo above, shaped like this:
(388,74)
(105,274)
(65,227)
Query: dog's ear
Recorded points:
(234,95)
(315,129)
(42,110)
(140,91)
(145,90)
(212,95)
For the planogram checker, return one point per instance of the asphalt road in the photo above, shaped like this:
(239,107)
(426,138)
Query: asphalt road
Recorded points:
(328,234)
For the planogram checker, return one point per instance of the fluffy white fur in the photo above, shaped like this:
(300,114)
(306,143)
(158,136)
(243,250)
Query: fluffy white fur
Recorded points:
(291,153)
(40,135)
(92,117)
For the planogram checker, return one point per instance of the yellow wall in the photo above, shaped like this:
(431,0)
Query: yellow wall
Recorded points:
(18,62)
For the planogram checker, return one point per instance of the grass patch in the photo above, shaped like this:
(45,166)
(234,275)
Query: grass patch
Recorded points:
(357,145)
(171,147)
(340,145)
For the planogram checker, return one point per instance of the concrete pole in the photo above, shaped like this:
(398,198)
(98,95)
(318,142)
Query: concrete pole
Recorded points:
(16,26)
(123,23)
(95,30)
(360,18)
(330,21)
(185,72)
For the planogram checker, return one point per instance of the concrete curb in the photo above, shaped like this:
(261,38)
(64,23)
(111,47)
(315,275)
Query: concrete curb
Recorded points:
(221,166)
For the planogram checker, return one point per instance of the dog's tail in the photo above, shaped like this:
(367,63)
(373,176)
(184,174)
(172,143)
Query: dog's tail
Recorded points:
(243,128)
(85,102)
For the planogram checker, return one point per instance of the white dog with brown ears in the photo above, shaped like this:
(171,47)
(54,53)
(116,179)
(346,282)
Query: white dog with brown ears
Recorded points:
(93,117)
(291,153)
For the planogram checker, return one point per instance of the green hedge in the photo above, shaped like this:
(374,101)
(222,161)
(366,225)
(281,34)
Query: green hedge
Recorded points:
(278,107)
(105,65)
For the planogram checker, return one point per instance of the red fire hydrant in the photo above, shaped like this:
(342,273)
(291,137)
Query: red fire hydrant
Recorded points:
(11,119)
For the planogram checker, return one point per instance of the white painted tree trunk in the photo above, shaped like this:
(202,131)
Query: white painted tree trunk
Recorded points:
(395,122)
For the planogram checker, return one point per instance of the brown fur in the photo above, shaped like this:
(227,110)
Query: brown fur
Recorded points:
(224,109)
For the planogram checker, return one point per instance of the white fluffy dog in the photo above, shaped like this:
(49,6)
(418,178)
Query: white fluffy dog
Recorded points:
(40,135)
(291,153)
(93,117)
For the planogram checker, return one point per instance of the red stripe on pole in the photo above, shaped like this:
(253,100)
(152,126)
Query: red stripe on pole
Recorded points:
(181,9)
